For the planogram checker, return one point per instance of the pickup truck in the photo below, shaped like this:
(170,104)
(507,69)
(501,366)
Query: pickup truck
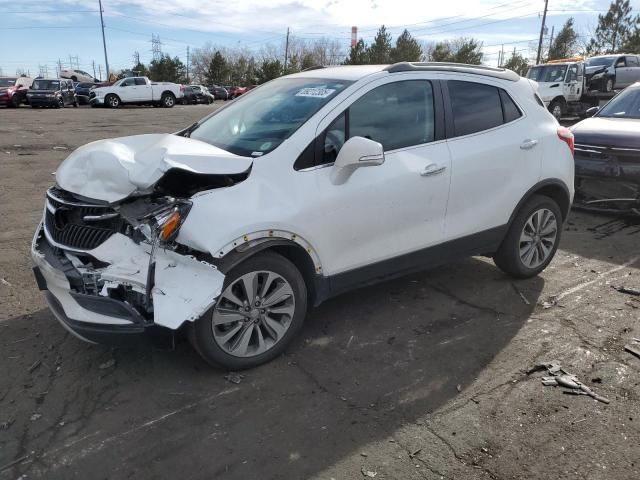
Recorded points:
(137,90)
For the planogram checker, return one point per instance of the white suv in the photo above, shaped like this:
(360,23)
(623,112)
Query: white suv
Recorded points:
(306,187)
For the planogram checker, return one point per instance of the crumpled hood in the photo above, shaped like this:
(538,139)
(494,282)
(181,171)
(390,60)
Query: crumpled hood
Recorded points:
(111,170)
(608,132)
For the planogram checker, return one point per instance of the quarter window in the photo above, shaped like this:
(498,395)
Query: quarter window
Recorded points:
(477,107)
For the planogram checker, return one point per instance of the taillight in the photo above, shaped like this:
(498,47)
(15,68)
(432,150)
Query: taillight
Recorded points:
(566,136)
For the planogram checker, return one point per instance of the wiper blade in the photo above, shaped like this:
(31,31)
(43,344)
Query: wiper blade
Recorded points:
(189,130)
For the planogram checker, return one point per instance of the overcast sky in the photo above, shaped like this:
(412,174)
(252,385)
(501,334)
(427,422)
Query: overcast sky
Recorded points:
(35,33)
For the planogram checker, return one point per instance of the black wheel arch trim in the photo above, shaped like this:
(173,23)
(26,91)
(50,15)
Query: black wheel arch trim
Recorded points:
(549,182)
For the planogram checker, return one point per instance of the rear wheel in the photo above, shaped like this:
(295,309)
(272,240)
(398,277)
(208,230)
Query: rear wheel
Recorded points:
(532,239)
(168,100)
(556,109)
(261,308)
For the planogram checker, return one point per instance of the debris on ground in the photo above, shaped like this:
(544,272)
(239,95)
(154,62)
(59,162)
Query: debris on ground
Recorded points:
(368,473)
(633,350)
(35,417)
(35,365)
(60,147)
(233,377)
(627,290)
(108,364)
(550,302)
(524,299)
(7,424)
(561,378)
(415,452)
(5,282)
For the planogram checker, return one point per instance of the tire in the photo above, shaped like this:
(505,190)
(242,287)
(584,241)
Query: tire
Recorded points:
(538,224)
(268,334)
(112,101)
(15,102)
(75,103)
(556,109)
(607,85)
(60,103)
(168,100)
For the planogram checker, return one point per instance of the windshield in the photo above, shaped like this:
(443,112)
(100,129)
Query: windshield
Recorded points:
(547,73)
(7,82)
(45,85)
(256,124)
(600,61)
(625,105)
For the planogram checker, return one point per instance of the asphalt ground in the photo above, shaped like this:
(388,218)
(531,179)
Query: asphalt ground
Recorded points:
(422,377)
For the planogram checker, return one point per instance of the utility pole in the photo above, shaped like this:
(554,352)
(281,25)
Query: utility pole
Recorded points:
(187,64)
(501,56)
(553,28)
(100,71)
(286,51)
(59,67)
(104,41)
(544,20)
(93,64)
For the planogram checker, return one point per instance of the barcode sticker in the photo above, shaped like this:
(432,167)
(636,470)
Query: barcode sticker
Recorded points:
(315,92)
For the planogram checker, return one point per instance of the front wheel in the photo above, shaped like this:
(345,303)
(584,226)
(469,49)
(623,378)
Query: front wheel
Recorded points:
(532,239)
(261,308)
(168,100)
(607,85)
(112,101)
(556,109)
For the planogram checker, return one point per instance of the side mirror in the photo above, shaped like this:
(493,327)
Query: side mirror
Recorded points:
(355,153)
(590,112)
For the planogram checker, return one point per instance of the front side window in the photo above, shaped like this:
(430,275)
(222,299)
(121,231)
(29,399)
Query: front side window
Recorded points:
(621,62)
(397,115)
(7,82)
(477,107)
(572,74)
(256,124)
(632,62)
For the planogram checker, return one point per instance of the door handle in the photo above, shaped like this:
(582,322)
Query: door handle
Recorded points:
(432,169)
(528,144)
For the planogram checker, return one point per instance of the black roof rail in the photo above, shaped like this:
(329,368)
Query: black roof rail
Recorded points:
(501,73)
(314,67)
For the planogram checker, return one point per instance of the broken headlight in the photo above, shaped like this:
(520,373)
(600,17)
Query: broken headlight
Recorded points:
(164,223)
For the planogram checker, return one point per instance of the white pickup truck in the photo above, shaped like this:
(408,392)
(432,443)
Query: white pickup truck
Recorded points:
(137,90)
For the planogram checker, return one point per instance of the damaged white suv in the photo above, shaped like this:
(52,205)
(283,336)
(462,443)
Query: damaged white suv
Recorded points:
(306,187)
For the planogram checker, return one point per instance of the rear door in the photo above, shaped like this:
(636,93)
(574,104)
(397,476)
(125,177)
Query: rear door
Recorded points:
(142,89)
(495,158)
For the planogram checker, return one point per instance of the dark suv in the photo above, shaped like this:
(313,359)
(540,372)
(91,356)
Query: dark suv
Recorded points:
(58,92)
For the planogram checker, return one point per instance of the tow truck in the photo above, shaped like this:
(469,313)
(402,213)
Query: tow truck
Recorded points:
(564,86)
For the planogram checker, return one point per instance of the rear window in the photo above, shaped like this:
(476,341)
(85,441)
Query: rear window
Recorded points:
(477,107)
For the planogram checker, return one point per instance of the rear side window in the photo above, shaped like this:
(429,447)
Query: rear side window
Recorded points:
(140,81)
(477,107)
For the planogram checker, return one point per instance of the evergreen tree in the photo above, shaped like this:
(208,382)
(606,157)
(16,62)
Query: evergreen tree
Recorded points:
(564,44)
(358,54)
(461,50)
(380,50)
(517,63)
(615,28)
(269,70)
(407,49)
(217,73)
(167,69)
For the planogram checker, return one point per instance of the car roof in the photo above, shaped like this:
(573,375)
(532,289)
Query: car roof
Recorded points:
(356,72)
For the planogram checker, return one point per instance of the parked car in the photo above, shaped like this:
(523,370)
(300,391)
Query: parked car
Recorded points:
(197,94)
(607,157)
(234,92)
(56,92)
(13,90)
(83,91)
(78,75)
(612,72)
(314,184)
(220,93)
(139,91)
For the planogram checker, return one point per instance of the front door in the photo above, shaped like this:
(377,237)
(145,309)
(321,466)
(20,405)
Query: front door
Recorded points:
(382,215)
(127,92)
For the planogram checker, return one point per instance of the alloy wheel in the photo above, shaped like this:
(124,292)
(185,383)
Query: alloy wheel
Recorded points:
(253,313)
(538,238)
(557,111)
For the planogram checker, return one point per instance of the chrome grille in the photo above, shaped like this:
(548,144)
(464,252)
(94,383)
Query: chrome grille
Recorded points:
(65,224)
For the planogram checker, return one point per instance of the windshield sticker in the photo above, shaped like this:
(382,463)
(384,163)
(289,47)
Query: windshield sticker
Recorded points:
(257,154)
(315,92)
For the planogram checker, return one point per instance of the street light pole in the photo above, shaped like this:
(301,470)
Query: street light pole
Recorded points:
(544,19)
(104,42)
